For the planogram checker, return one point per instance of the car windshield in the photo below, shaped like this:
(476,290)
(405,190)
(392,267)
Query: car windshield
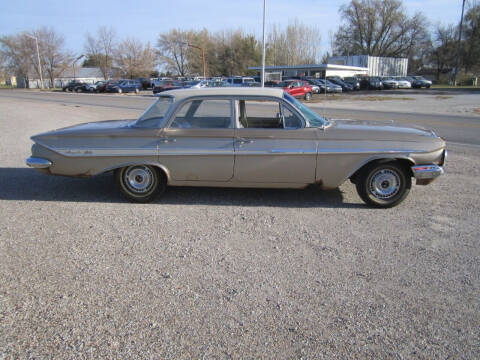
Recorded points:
(284,84)
(153,116)
(313,118)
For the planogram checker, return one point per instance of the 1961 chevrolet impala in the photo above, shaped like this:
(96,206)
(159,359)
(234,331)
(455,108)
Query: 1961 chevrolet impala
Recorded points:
(242,137)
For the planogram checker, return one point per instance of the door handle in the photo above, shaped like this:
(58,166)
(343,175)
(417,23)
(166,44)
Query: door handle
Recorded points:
(242,141)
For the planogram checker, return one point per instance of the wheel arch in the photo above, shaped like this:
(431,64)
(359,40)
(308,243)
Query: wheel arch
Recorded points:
(405,161)
(158,166)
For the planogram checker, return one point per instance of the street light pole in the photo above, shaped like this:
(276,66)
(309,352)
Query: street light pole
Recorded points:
(263,46)
(38,58)
(74,62)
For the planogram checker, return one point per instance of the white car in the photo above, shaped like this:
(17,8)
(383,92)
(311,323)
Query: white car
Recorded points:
(403,83)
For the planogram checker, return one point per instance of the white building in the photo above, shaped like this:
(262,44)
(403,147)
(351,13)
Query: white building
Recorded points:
(87,75)
(315,70)
(377,66)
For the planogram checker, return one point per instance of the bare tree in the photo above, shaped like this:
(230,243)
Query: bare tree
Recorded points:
(296,44)
(378,28)
(54,58)
(135,59)
(102,48)
(17,51)
(173,49)
(443,53)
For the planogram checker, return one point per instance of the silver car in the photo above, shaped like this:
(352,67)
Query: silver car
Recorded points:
(242,137)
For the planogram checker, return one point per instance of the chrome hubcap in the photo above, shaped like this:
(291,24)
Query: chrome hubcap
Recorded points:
(138,179)
(384,184)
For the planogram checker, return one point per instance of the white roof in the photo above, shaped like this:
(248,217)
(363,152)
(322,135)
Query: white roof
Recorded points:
(225,91)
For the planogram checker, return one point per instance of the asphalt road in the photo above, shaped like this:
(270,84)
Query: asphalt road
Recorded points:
(455,128)
(206,273)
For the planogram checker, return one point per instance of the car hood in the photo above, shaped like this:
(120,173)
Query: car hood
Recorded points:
(344,129)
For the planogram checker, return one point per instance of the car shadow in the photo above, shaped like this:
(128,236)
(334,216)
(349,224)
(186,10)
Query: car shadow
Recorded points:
(28,184)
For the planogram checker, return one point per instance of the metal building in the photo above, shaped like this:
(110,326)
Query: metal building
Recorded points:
(315,70)
(377,66)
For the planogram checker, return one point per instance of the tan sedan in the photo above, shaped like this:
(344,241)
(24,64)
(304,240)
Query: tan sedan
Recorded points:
(242,137)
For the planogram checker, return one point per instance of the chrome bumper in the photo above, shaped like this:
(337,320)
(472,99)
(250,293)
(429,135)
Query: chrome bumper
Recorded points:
(425,174)
(38,163)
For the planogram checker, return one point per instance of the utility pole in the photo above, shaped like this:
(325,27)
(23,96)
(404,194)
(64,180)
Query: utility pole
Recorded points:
(263,46)
(38,59)
(460,28)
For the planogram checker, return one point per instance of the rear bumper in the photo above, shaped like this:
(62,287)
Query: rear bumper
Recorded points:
(425,174)
(38,163)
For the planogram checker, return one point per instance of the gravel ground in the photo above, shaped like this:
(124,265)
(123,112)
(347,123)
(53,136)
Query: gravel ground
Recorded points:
(230,273)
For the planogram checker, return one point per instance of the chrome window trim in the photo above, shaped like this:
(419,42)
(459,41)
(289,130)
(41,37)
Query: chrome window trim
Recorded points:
(180,104)
(282,101)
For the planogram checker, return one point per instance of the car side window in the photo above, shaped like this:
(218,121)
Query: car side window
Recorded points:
(266,114)
(204,114)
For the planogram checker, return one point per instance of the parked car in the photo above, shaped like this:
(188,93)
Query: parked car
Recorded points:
(352,81)
(297,88)
(112,85)
(240,80)
(73,86)
(371,83)
(165,85)
(403,83)
(338,81)
(389,83)
(102,87)
(313,85)
(242,137)
(330,87)
(92,87)
(145,83)
(125,86)
(419,82)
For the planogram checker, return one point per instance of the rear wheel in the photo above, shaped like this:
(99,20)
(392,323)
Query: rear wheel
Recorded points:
(119,91)
(383,185)
(140,183)
(308,96)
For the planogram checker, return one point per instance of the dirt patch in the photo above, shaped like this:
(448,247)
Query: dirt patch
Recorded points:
(476,111)
(443,97)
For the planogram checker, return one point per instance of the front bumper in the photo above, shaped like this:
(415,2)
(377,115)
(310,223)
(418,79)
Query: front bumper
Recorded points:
(425,174)
(38,163)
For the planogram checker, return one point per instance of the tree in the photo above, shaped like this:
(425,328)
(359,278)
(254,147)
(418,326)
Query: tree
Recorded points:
(378,28)
(102,49)
(172,50)
(444,51)
(296,44)
(472,39)
(53,56)
(17,50)
(135,59)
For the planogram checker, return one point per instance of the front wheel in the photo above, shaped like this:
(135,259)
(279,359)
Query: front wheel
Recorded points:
(119,91)
(383,185)
(308,96)
(140,183)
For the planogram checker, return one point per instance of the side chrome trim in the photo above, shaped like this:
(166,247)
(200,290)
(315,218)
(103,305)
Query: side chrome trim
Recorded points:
(38,163)
(333,151)
(106,152)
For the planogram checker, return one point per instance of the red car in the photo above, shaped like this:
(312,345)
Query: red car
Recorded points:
(297,88)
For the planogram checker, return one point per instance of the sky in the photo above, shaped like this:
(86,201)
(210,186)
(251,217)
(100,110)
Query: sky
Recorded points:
(145,19)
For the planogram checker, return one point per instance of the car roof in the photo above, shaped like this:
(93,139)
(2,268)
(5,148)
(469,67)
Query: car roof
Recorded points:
(225,91)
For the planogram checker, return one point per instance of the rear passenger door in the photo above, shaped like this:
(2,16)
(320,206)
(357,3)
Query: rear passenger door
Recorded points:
(197,145)
(272,144)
